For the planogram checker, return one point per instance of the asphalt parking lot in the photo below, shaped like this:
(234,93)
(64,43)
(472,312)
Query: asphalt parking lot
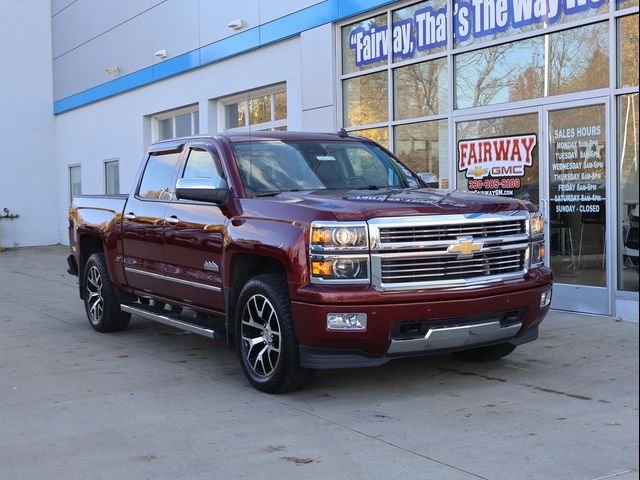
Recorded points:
(153,402)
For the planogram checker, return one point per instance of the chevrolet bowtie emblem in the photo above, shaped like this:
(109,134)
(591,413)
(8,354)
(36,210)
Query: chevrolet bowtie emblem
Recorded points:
(466,246)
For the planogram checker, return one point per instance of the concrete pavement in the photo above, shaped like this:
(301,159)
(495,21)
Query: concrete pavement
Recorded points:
(154,402)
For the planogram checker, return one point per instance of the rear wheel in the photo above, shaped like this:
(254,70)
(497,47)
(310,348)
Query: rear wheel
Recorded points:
(265,340)
(485,354)
(100,299)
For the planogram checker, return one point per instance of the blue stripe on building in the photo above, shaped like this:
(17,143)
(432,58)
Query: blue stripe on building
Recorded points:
(288,26)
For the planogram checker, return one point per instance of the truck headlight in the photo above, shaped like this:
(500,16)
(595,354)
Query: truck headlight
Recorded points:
(339,252)
(536,225)
(340,268)
(536,254)
(339,236)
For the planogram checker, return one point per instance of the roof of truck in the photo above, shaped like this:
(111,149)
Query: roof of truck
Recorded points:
(278,135)
(244,136)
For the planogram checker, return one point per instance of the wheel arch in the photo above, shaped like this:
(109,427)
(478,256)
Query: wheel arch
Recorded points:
(242,267)
(88,244)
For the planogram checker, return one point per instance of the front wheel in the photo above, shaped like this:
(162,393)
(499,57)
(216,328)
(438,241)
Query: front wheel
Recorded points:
(100,299)
(265,340)
(486,354)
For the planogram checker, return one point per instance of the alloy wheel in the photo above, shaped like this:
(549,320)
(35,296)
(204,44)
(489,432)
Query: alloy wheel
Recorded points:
(94,298)
(261,336)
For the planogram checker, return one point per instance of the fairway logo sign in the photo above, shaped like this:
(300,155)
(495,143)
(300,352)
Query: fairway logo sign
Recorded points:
(427,28)
(496,165)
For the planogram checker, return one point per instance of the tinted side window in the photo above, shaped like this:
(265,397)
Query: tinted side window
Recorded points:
(157,178)
(201,164)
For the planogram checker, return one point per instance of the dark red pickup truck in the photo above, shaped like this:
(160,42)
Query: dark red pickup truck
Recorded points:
(309,251)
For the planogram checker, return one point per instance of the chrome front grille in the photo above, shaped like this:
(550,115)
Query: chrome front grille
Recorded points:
(425,269)
(448,251)
(451,232)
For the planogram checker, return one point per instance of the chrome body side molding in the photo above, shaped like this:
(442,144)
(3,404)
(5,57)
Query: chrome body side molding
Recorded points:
(168,278)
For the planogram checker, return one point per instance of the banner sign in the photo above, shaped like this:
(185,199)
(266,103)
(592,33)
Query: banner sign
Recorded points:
(427,29)
(496,165)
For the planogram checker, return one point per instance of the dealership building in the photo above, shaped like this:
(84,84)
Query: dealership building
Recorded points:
(532,99)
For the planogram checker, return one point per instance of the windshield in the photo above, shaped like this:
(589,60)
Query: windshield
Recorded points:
(270,167)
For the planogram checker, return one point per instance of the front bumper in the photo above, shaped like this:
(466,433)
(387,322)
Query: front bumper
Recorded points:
(477,320)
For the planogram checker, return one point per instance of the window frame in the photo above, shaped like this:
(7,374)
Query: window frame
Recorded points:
(158,118)
(70,167)
(246,97)
(106,164)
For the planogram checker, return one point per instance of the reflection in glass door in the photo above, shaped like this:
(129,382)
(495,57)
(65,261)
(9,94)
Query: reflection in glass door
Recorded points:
(577,217)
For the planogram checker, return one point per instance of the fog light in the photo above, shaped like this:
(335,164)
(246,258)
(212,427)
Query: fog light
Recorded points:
(346,321)
(545,298)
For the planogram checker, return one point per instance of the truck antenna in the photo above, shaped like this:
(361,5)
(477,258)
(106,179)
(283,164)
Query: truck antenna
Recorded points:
(343,133)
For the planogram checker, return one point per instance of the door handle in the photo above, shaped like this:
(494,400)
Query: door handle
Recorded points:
(172,220)
(130,216)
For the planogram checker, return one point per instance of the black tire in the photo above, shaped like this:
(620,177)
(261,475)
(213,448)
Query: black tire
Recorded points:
(486,354)
(100,299)
(267,347)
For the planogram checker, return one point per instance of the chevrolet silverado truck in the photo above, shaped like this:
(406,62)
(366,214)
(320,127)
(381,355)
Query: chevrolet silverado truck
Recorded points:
(309,251)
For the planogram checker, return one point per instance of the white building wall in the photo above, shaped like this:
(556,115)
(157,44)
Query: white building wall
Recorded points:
(28,169)
(120,127)
(318,71)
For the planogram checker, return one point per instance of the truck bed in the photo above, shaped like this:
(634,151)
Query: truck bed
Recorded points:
(95,212)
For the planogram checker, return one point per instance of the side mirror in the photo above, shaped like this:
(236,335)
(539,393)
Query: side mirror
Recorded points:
(429,179)
(203,190)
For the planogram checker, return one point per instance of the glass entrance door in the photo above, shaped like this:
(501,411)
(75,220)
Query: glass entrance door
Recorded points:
(500,155)
(577,216)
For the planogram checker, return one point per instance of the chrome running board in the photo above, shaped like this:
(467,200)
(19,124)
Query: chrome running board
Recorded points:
(171,320)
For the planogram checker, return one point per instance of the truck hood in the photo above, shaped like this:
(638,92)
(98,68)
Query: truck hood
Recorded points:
(352,205)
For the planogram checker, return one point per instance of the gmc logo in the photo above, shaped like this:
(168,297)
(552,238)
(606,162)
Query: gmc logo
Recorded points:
(507,170)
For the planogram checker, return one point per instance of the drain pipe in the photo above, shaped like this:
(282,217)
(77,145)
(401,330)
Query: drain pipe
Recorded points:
(9,216)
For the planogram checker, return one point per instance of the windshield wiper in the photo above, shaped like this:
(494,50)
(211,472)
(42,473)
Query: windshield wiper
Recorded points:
(267,194)
(275,192)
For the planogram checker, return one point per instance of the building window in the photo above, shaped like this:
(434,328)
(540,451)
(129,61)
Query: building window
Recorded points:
(621,4)
(628,206)
(264,109)
(628,51)
(183,122)
(75,182)
(395,85)
(562,62)
(111,177)
(423,146)
(420,89)
(407,74)
(474,26)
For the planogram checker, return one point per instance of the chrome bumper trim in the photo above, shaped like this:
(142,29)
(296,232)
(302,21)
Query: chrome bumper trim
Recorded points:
(442,338)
